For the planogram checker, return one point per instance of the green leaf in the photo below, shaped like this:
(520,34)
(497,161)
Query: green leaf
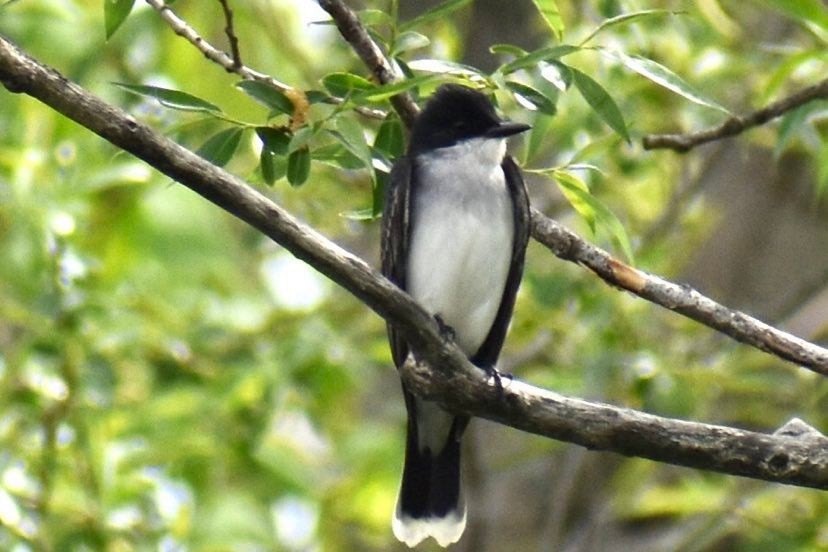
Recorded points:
(390,138)
(174,99)
(446,68)
(663,76)
(317,96)
(408,41)
(350,133)
(366,213)
(807,11)
(274,139)
(793,121)
(371,17)
(532,98)
(273,165)
(337,155)
(782,73)
(822,170)
(601,102)
(540,128)
(345,84)
(298,166)
(438,12)
(115,13)
(385,91)
(219,148)
(594,149)
(551,15)
(592,210)
(508,50)
(266,95)
(533,58)
(626,18)
(301,138)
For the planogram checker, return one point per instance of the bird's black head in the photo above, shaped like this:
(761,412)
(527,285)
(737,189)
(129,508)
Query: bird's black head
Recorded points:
(455,113)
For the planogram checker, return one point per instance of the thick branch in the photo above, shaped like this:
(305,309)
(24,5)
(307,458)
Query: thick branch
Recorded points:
(737,124)
(782,458)
(790,453)
(568,246)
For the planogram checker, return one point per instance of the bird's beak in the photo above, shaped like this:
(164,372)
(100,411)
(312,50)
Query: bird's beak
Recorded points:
(506,128)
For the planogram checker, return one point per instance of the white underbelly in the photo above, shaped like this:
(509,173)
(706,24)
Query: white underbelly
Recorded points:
(459,257)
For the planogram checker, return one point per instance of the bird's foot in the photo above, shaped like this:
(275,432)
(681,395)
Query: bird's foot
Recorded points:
(497,378)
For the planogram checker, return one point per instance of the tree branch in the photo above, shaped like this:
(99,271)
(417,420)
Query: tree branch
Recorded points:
(683,143)
(452,379)
(352,30)
(231,34)
(682,299)
(569,246)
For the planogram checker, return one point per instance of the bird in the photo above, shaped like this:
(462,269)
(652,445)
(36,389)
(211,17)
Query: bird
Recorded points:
(455,226)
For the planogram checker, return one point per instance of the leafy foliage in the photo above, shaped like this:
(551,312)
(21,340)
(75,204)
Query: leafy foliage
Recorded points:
(171,379)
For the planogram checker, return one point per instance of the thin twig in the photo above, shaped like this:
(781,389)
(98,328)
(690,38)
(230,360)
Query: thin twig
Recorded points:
(678,298)
(737,124)
(796,455)
(569,246)
(231,34)
(187,32)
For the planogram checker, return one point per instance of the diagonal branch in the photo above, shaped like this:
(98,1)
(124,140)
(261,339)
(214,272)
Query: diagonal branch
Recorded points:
(569,246)
(683,143)
(795,455)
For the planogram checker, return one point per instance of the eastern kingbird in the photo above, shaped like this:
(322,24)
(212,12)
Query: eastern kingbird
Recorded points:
(454,234)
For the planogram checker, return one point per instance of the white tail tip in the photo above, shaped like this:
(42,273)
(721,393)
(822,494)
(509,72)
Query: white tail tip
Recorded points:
(445,530)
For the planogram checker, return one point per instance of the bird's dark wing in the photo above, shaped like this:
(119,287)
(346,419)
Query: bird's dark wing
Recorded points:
(486,355)
(396,216)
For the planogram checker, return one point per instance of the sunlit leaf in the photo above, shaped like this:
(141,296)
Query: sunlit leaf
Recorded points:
(385,91)
(408,41)
(662,76)
(345,84)
(352,136)
(366,213)
(537,136)
(298,166)
(507,49)
(601,102)
(532,98)
(175,99)
(438,12)
(446,68)
(533,58)
(371,17)
(219,148)
(551,15)
(115,13)
(592,210)
(266,95)
(626,18)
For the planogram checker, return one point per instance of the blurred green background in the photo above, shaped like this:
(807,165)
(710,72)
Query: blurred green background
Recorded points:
(171,380)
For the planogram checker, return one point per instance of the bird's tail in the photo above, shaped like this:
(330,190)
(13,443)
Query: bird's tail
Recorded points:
(431,502)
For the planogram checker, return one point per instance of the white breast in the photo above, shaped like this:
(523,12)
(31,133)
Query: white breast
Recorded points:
(462,237)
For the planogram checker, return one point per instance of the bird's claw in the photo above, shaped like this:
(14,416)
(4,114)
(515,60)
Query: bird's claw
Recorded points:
(445,330)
